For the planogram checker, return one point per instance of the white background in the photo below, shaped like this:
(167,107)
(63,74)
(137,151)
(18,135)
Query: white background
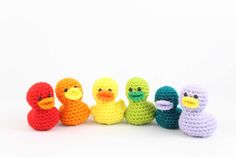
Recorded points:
(168,42)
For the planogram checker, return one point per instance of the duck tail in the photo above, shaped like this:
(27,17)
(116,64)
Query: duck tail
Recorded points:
(61,108)
(121,103)
(92,110)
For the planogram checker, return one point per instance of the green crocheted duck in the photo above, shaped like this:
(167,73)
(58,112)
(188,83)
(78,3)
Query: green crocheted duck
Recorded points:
(167,114)
(139,110)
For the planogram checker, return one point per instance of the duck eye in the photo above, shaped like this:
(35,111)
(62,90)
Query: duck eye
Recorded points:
(65,90)
(195,96)
(139,88)
(75,86)
(110,90)
(49,95)
(100,89)
(185,94)
(40,98)
(130,89)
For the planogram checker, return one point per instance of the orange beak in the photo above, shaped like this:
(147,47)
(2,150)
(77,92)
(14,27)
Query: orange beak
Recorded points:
(105,95)
(46,103)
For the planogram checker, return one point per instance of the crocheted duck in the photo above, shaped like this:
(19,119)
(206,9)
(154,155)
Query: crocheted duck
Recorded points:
(73,111)
(167,114)
(43,115)
(107,110)
(139,110)
(193,121)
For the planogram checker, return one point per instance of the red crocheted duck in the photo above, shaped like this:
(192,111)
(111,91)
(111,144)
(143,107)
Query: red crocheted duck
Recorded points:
(43,115)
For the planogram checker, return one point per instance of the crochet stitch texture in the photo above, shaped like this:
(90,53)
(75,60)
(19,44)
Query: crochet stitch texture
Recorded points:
(139,110)
(107,110)
(73,111)
(193,120)
(167,114)
(43,115)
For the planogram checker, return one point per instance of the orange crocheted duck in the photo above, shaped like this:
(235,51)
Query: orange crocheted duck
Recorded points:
(73,111)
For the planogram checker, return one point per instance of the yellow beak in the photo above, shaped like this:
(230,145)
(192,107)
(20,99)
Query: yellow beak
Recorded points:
(190,102)
(46,103)
(73,94)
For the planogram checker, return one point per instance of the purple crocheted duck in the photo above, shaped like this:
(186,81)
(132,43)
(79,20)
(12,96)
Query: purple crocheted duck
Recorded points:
(193,121)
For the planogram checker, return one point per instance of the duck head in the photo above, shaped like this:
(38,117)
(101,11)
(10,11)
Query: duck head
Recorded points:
(193,98)
(69,89)
(105,90)
(41,96)
(166,98)
(137,89)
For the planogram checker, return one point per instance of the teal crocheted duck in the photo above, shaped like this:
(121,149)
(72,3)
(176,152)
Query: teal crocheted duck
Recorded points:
(167,114)
(139,110)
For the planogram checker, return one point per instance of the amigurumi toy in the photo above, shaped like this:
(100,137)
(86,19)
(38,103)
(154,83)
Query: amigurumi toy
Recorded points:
(193,121)
(43,115)
(73,111)
(167,114)
(139,110)
(107,110)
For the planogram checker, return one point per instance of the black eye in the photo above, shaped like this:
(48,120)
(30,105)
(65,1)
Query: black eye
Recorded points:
(130,89)
(40,98)
(75,86)
(49,95)
(100,89)
(195,96)
(65,90)
(139,89)
(185,94)
(109,90)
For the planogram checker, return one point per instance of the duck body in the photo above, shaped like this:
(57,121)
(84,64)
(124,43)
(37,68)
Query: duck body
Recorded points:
(107,110)
(73,110)
(74,113)
(43,116)
(167,114)
(108,113)
(193,120)
(140,113)
(197,124)
(168,119)
(43,119)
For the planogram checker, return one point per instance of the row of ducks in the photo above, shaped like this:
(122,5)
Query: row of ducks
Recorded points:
(190,119)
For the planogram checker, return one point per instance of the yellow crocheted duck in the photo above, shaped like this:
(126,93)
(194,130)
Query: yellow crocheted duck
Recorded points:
(106,110)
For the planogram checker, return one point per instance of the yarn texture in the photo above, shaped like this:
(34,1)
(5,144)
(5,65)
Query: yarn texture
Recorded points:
(43,115)
(73,111)
(167,114)
(139,110)
(107,110)
(193,120)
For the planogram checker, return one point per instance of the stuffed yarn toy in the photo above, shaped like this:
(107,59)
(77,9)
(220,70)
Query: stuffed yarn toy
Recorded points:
(193,121)
(43,115)
(73,111)
(167,114)
(139,110)
(107,110)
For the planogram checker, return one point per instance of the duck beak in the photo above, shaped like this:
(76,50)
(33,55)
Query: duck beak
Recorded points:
(164,105)
(46,103)
(136,96)
(190,102)
(73,94)
(105,95)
